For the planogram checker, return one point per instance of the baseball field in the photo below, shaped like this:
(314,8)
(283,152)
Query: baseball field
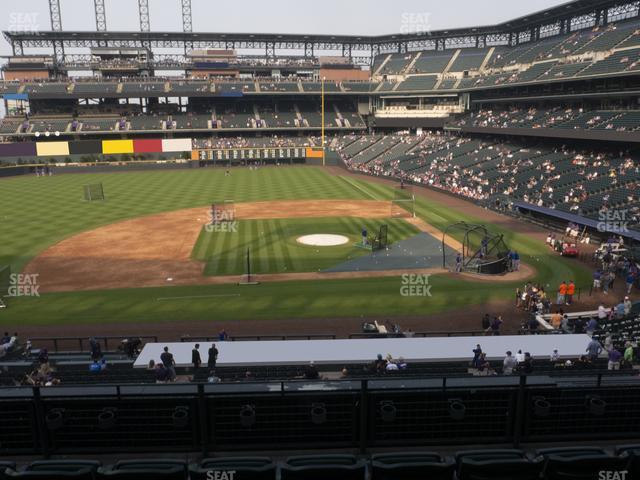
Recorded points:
(143,255)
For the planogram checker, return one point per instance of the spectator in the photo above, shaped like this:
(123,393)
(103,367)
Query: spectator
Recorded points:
(5,338)
(629,355)
(614,359)
(602,313)
(213,357)
(380,364)
(571,291)
(213,378)
(477,353)
(627,306)
(222,336)
(496,323)
(592,326)
(556,320)
(619,309)
(562,293)
(555,356)
(527,364)
(486,322)
(509,364)
(594,349)
(311,372)
(168,362)
(195,357)
(163,374)
(43,356)
(579,325)
(96,349)
(95,367)
(630,281)
(151,365)
(564,323)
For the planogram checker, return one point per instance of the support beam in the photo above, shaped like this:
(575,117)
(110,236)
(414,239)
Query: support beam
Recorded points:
(54,15)
(143,11)
(101,15)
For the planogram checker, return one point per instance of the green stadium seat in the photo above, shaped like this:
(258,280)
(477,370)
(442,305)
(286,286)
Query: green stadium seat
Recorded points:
(323,467)
(411,466)
(245,468)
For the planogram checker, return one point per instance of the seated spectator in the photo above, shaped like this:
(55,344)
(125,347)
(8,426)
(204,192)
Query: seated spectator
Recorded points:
(509,364)
(526,366)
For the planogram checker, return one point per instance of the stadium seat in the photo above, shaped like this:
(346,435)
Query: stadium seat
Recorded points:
(499,464)
(63,465)
(147,470)
(87,473)
(632,454)
(5,465)
(579,463)
(323,467)
(245,468)
(411,466)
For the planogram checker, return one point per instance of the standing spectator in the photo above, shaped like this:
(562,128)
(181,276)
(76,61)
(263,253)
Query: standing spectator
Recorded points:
(477,352)
(195,357)
(614,359)
(556,320)
(594,349)
(222,336)
(527,364)
(620,310)
(213,357)
(629,355)
(592,326)
(96,350)
(496,323)
(486,322)
(168,362)
(571,291)
(627,306)
(5,338)
(562,294)
(508,364)
(516,260)
(630,280)
(602,313)
(597,279)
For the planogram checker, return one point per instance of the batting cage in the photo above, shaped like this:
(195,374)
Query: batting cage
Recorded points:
(93,192)
(480,251)
(376,241)
(403,202)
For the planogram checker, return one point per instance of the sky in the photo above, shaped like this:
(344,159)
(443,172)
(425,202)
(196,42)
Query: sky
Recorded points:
(356,17)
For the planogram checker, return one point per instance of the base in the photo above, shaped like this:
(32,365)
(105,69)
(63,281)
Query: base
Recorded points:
(246,281)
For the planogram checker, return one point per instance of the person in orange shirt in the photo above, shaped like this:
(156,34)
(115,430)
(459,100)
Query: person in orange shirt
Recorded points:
(562,293)
(571,291)
(556,320)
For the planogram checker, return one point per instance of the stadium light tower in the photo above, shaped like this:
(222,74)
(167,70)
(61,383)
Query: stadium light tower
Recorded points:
(54,15)
(143,11)
(324,156)
(187,23)
(101,15)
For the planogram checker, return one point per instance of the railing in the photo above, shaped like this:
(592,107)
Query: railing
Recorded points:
(244,338)
(53,344)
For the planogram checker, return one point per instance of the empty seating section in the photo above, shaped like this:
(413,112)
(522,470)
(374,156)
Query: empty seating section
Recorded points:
(36,89)
(448,84)
(566,70)
(189,87)
(51,125)
(191,121)
(142,88)
(418,82)
(98,124)
(608,39)
(396,64)
(469,59)
(9,125)
(95,89)
(316,86)
(145,122)
(431,62)
(234,87)
(535,71)
(358,86)
(375,150)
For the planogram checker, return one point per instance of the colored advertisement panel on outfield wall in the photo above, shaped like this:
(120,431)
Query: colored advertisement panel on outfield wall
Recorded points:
(147,146)
(85,147)
(176,145)
(17,149)
(117,146)
(45,149)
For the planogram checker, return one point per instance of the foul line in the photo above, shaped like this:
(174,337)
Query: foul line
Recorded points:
(196,296)
(359,188)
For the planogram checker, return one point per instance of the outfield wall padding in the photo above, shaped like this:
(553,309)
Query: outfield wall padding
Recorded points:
(117,146)
(45,149)
(94,147)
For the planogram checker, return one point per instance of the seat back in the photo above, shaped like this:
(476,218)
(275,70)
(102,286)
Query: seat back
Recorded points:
(323,467)
(586,467)
(411,466)
(499,469)
(81,474)
(63,465)
(174,473)
(243,468)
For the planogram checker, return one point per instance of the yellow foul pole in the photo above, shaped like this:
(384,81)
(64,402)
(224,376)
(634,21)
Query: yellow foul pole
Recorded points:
(324,158)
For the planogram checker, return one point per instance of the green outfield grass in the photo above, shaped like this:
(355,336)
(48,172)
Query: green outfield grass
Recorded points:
(274,248)
(38,212)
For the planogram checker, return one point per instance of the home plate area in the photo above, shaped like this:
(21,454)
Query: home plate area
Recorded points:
(418,252)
